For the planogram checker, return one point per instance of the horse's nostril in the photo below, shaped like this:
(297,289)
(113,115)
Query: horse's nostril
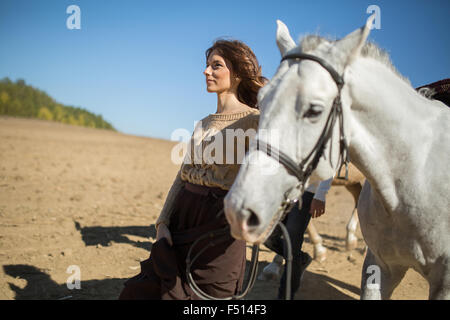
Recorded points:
(253,220)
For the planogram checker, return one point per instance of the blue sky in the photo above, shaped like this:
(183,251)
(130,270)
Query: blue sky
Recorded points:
(139,63)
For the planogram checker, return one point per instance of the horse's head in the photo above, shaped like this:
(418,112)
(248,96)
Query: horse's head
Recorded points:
(295,107)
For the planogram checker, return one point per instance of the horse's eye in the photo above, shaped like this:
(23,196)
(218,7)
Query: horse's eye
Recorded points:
(313,112)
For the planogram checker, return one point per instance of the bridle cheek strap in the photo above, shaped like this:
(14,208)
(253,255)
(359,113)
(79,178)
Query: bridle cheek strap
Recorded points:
(310,162)
(304,170)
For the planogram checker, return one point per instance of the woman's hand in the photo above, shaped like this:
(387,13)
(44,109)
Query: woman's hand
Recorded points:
(163,232)
(317,208)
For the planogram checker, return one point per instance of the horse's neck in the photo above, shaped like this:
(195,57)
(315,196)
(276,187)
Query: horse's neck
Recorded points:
(387,129)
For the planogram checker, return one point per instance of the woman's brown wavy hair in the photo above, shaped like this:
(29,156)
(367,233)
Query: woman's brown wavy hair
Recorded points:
(244,65)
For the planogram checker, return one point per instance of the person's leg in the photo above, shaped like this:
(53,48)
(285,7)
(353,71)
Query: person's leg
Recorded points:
(296,224)
(275,242)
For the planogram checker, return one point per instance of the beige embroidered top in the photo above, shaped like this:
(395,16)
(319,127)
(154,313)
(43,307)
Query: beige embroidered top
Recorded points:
(216,151)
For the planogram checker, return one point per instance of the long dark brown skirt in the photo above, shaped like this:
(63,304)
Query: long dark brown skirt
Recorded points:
(219,271)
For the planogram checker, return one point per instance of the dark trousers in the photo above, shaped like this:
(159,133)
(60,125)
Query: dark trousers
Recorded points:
(219,271)
(296,222)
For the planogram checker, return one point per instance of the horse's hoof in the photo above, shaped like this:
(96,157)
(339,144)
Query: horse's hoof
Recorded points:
(271,272)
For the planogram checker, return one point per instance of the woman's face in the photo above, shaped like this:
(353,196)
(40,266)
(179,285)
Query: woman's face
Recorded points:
(218,74)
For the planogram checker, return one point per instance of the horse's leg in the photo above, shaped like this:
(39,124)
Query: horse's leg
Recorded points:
(351,240)
(319,250)
(369,290)
(273,270)
(378,280)
(391,279)
(440,281)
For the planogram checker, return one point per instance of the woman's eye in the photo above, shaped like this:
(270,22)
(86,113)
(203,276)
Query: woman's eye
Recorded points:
(314,112)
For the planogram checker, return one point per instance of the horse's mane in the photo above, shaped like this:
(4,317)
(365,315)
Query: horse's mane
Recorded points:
(369,50)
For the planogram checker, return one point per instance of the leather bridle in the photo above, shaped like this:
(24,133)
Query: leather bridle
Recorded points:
(304,170)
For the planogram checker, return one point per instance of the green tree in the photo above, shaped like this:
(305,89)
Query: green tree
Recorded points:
(4,97)
(19,99)
(45,114)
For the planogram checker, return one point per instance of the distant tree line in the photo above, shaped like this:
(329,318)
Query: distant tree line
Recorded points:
(22,100)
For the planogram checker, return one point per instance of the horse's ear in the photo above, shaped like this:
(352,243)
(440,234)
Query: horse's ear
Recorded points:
(352,44)
(284,39)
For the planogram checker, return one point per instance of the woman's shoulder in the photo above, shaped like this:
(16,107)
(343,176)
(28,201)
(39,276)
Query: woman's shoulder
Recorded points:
(250,120)
(254,114)
(251,113)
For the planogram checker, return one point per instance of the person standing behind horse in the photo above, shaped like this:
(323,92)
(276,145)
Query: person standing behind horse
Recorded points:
(196,197)
(296,222)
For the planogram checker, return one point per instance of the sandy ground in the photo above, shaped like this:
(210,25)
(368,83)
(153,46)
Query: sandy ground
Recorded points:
(89,198)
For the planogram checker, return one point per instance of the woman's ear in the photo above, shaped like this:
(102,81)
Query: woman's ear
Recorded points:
(236,81)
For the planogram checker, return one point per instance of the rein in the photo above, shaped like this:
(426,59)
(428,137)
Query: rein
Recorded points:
(216,237)
(220,235)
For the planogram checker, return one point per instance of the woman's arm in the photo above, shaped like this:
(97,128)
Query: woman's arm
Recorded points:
(166,212)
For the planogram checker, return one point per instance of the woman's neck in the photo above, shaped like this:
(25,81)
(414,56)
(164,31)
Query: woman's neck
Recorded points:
(227,102)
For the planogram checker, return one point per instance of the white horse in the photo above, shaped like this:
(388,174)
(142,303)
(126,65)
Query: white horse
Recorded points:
(397,138)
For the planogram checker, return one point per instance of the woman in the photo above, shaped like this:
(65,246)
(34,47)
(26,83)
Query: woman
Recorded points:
(196,197)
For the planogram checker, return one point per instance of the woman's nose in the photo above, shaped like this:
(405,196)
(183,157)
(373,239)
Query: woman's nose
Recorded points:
(207,71)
